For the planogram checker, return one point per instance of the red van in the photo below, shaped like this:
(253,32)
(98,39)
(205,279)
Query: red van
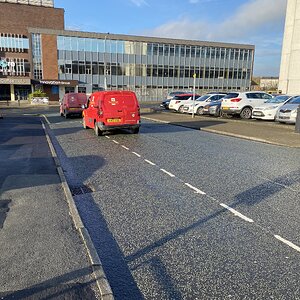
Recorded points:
(72,104)
(110,110)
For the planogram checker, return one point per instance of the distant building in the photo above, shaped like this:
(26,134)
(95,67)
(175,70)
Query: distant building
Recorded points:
(289,79)
(269,83)
(36,52)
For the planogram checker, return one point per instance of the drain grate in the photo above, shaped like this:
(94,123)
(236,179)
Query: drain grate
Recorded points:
(81,190)
(4,209)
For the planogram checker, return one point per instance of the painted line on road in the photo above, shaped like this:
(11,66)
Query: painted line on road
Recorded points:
(156,120)
(138,155)
(150,162)
(116,142)
(236,213)
(290,244)
(44,116)
(107,137)
(126,148)
(195,189)
(168,173)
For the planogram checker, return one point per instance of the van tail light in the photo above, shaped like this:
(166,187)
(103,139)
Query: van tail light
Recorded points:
(236,100)
(177,102)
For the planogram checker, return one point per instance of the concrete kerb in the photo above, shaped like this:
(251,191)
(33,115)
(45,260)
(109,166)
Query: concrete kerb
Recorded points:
(98,272)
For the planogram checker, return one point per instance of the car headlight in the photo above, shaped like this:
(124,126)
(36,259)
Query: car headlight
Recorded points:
(294,111)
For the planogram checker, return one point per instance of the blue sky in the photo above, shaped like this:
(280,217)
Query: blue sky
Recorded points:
(257,22)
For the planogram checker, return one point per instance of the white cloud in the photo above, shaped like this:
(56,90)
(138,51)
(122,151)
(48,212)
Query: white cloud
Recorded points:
(254,16)
(139,2)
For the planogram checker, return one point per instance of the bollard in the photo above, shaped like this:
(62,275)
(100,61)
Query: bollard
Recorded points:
(297,126)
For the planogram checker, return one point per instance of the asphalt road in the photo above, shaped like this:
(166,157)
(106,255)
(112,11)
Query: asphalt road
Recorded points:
(177,213)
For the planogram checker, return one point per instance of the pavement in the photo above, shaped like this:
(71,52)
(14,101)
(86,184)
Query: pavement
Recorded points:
(256,130)
(42,255)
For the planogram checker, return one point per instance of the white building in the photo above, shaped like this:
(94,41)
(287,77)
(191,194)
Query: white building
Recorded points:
(289,79)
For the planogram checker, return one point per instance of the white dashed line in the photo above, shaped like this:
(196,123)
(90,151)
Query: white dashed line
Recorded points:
(150,162)
(290,244)
(138,155)
(107,137)
(236,213)
(125,147)
(168,173)
(116,142)
(195,189)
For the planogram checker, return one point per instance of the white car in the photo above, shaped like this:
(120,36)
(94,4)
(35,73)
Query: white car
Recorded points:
(242,103)
(288,112)
(177,103)
(197,107)
(268,110)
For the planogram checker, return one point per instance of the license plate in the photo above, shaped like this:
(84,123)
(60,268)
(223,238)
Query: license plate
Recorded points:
(225,107)
(283,118)
(257,113)
(113,120)
(74,108)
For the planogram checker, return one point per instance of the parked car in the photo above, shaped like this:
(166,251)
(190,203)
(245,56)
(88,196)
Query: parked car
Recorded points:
(173,94)
(213,108)
(165,104)
(288,112)
(242,103)
(200,102)
(268,110)
(72,103)
(177,103)
(111,110)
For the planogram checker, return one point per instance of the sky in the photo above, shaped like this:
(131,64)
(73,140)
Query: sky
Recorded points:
(255,22)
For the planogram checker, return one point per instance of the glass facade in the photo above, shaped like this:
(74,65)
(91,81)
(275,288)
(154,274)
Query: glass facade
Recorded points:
(152,69)
(13,42)
(37,56)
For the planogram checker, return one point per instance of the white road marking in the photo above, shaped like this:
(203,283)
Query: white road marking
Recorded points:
(116,142)
(138,155)
(168,173)
(195,189)
(107,137)
(290,244)
(43,125)
(236,213)
(46,119)
(125,147)
(150,162)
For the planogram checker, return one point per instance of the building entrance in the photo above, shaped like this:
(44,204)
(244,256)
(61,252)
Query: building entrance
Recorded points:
(5,92)
(22,92)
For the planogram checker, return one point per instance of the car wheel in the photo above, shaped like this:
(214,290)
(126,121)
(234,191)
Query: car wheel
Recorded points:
(246,113)
(200,111)
(98,132)
(180,109)
(135,130)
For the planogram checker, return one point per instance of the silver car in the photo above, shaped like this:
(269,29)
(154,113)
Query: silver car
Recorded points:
(288,112)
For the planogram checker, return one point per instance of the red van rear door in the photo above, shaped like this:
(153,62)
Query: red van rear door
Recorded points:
(119,108)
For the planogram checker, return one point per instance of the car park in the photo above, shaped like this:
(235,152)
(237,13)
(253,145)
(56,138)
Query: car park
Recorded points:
(268,110)
(177,103)
(288,112)
(213,108)
(242,103)
(200,102)
(112,110)
(71,104)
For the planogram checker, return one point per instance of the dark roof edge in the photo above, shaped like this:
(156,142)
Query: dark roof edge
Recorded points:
(135,38)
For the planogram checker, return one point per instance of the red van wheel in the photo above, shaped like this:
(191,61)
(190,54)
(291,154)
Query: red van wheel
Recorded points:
(98,132)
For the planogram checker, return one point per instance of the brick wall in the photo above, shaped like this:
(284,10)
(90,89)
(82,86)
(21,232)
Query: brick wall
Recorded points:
(49,56)
(16,18)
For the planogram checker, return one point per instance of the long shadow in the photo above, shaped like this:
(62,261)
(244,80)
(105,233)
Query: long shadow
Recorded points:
(261,192)
(59,287)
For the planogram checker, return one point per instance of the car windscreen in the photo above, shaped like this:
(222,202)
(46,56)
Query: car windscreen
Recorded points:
(278,99)
(295,100)
(231,95)
(203,98)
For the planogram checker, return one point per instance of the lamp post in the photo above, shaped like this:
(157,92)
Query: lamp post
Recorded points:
(105,79)
(194,94)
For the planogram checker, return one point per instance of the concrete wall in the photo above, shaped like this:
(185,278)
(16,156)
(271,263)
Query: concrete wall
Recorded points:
(289,79)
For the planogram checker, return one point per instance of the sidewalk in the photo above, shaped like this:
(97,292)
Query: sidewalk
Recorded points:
(41,254)
(261,131)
